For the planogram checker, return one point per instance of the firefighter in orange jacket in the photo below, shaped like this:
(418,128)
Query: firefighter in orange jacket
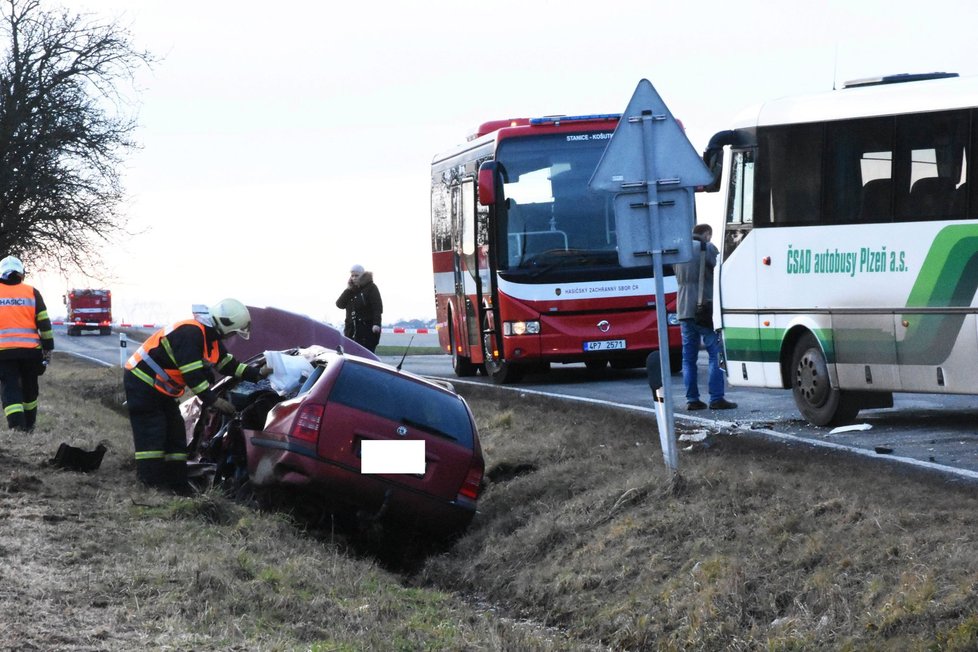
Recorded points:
(26,342)
(171,360)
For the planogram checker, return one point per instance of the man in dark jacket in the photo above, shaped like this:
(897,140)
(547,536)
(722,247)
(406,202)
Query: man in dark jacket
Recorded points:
(689,295)
(171,360)
(364,307)
(26,342)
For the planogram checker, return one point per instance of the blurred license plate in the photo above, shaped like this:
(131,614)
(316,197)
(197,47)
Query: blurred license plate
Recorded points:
(604,345)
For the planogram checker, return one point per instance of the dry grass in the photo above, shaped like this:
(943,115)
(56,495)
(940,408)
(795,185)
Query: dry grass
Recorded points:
(582,542)
(95,562)
(765,546)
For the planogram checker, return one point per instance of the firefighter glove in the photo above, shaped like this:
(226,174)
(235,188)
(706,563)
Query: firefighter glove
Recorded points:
(265,370)
(223,406)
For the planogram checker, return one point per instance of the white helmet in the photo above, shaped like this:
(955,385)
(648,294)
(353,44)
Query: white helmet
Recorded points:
(11,265)
(231,316)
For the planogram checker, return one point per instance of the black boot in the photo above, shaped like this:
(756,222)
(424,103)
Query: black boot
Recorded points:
(151,473)
(176,479)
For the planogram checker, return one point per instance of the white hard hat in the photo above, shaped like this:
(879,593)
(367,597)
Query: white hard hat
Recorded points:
(11,265)
(231,316)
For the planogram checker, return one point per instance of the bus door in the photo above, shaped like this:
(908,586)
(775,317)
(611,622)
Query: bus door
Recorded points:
(481,257)
(466,265)
(739,291)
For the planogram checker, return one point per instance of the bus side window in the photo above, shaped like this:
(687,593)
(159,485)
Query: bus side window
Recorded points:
(789,175)
(931,164)
(859,171)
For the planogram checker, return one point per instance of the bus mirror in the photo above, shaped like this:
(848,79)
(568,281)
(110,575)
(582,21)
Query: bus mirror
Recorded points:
(488,178)
(713,157)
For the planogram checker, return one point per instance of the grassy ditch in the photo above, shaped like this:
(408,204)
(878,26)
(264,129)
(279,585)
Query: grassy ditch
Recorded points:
(763,546)
(582,542)
(95,562)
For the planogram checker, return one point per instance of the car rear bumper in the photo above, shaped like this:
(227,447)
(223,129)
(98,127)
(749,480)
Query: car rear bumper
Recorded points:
(274,462)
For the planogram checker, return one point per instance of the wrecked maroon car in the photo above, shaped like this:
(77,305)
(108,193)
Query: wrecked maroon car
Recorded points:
(310,438)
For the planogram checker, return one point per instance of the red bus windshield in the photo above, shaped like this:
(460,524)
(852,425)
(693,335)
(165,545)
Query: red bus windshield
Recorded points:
(551,224)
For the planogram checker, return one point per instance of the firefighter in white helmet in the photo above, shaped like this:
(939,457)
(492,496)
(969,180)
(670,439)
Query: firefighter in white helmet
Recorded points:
(173,359)
(26,342)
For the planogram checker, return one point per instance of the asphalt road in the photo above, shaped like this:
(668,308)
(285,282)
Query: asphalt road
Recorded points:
(924,430)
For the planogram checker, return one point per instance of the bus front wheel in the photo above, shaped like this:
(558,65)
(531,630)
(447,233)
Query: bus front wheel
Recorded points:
(676,360)
(815,397)
(499,371)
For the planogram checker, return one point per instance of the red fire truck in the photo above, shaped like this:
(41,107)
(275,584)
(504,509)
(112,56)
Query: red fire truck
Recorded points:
(524,254)
(89,310)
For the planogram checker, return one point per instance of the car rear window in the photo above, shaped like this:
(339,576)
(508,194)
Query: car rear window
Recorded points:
(403,400)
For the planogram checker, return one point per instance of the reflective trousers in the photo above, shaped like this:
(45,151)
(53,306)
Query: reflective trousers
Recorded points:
(19,391)
(158,435)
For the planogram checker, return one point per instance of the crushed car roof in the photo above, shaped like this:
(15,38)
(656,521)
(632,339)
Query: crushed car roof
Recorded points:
(273,329)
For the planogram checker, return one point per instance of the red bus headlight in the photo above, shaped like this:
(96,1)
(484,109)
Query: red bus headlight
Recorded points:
(521,328)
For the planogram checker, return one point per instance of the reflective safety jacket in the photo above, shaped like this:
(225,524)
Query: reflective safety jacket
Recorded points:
(24,322)
(178,356)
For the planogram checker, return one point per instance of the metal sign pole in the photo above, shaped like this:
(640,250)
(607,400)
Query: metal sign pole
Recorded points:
(653,169)
(666,425)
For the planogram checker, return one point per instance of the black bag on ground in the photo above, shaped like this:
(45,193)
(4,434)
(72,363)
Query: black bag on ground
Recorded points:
(76,459)
(704,315)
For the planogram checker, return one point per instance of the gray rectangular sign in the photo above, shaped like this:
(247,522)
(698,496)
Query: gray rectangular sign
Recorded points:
(633,223)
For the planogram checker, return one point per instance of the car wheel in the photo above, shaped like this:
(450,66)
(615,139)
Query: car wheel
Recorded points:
(815,397)
(462,365)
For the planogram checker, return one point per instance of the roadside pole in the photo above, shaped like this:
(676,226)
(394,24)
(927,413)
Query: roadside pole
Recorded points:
(654,170)
(123,350)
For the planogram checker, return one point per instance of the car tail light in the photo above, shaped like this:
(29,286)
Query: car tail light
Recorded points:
(307,422)
(472,483)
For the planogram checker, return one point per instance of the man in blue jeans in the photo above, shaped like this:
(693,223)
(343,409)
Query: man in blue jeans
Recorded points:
(688,278)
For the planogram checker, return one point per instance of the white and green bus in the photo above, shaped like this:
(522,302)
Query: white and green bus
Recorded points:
(850,248)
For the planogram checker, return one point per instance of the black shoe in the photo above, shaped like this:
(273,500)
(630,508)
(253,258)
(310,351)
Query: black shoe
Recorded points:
(696,405)
(722,404)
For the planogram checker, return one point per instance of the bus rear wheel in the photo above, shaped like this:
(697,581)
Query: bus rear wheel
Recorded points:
(462,365)
(815,397)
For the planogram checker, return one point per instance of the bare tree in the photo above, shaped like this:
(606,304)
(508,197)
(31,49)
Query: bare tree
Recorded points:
(64,131)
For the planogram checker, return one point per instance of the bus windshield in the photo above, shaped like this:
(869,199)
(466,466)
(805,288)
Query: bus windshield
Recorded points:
(551,224)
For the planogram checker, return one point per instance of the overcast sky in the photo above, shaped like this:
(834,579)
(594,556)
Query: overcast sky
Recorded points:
(282,142)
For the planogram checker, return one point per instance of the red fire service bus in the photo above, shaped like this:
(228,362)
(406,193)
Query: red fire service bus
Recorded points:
(89,310)
(524,254)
